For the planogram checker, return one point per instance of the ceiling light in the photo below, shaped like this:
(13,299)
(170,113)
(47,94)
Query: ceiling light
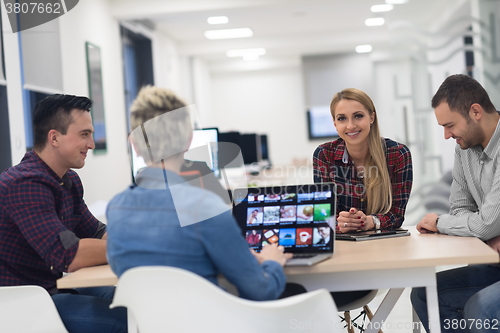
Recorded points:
(251,57)
(364,48)
(229,33)
(244,52)
(382,8)
(217,20)
(371,22)
(396,2)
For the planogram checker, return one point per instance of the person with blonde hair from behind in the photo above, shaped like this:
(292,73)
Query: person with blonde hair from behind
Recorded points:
(373,174)
(164,221)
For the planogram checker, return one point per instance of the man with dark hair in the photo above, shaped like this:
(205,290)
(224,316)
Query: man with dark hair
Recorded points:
(468,296)
(45,226)
(459,92)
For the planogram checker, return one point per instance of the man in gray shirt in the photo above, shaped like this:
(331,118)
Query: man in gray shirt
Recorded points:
(469,297)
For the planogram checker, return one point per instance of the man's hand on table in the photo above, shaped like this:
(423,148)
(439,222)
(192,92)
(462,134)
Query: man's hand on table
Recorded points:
(428,224)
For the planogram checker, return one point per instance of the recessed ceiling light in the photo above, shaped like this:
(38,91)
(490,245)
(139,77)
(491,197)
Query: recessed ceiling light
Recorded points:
(371,22)
(251,57)
(217,20)
(229,33)
(382,8)
(396,2)
(243,52)
(364,48)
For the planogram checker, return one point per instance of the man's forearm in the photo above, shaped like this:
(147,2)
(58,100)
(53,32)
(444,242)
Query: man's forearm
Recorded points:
(91,252)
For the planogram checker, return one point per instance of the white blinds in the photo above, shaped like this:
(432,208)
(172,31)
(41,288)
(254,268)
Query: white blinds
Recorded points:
(41,54)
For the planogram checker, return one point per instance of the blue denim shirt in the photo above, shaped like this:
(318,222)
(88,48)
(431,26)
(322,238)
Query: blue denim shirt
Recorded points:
(144,230)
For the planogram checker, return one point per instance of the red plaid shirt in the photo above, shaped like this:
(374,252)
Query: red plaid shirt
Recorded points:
(36,206)
(329,167)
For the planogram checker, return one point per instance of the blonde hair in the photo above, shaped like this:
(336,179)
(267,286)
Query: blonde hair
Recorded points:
(378,186)
(167,135)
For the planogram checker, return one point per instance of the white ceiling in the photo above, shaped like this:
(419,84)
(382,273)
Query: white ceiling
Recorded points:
(286,28)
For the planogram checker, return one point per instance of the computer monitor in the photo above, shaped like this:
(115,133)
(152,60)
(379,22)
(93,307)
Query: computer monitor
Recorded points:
(320,123)
(264,148)
(203,148)
(250,145)
(229,148)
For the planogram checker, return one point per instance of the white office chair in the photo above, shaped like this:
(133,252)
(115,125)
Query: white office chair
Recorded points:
(168,299)
(28,309)
(362,302)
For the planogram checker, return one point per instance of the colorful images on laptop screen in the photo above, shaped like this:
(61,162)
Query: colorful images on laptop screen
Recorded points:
(295,217)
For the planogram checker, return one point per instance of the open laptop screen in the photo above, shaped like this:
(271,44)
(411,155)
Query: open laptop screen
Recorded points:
(295,216)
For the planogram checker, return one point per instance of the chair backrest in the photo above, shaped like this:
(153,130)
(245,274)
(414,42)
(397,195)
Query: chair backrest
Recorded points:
(28,309)
(168,299)
(360,302)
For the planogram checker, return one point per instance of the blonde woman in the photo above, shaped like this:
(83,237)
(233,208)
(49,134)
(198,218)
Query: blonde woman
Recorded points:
(373,174)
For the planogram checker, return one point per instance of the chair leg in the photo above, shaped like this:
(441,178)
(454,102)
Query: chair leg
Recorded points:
(369,313)
(347,316)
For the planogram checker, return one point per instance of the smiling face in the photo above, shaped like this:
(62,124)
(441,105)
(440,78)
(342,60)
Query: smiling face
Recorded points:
(352,121)
(466,132)
(74,145)
(324,232)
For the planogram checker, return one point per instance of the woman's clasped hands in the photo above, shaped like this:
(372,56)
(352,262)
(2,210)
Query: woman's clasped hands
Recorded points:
(354,220)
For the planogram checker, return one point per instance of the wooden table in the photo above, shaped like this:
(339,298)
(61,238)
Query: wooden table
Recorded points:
(392,263)
(97,276)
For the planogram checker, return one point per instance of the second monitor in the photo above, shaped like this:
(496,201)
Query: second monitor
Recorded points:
(249,144)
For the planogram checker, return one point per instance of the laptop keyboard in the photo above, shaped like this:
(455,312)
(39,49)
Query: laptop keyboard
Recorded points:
(304,255)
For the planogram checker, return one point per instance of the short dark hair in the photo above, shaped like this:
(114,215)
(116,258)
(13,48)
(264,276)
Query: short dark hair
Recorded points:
(460,91)
(54,112)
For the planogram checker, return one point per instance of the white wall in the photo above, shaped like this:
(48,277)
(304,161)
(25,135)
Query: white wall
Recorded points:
(168,65)
(14,91)
(106,174)
(325,75)
(445,59)
(266,102)
(392,93)
(202,91)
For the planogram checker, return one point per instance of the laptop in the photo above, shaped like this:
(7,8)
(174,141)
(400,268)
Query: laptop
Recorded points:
(372,234)
(294,216)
